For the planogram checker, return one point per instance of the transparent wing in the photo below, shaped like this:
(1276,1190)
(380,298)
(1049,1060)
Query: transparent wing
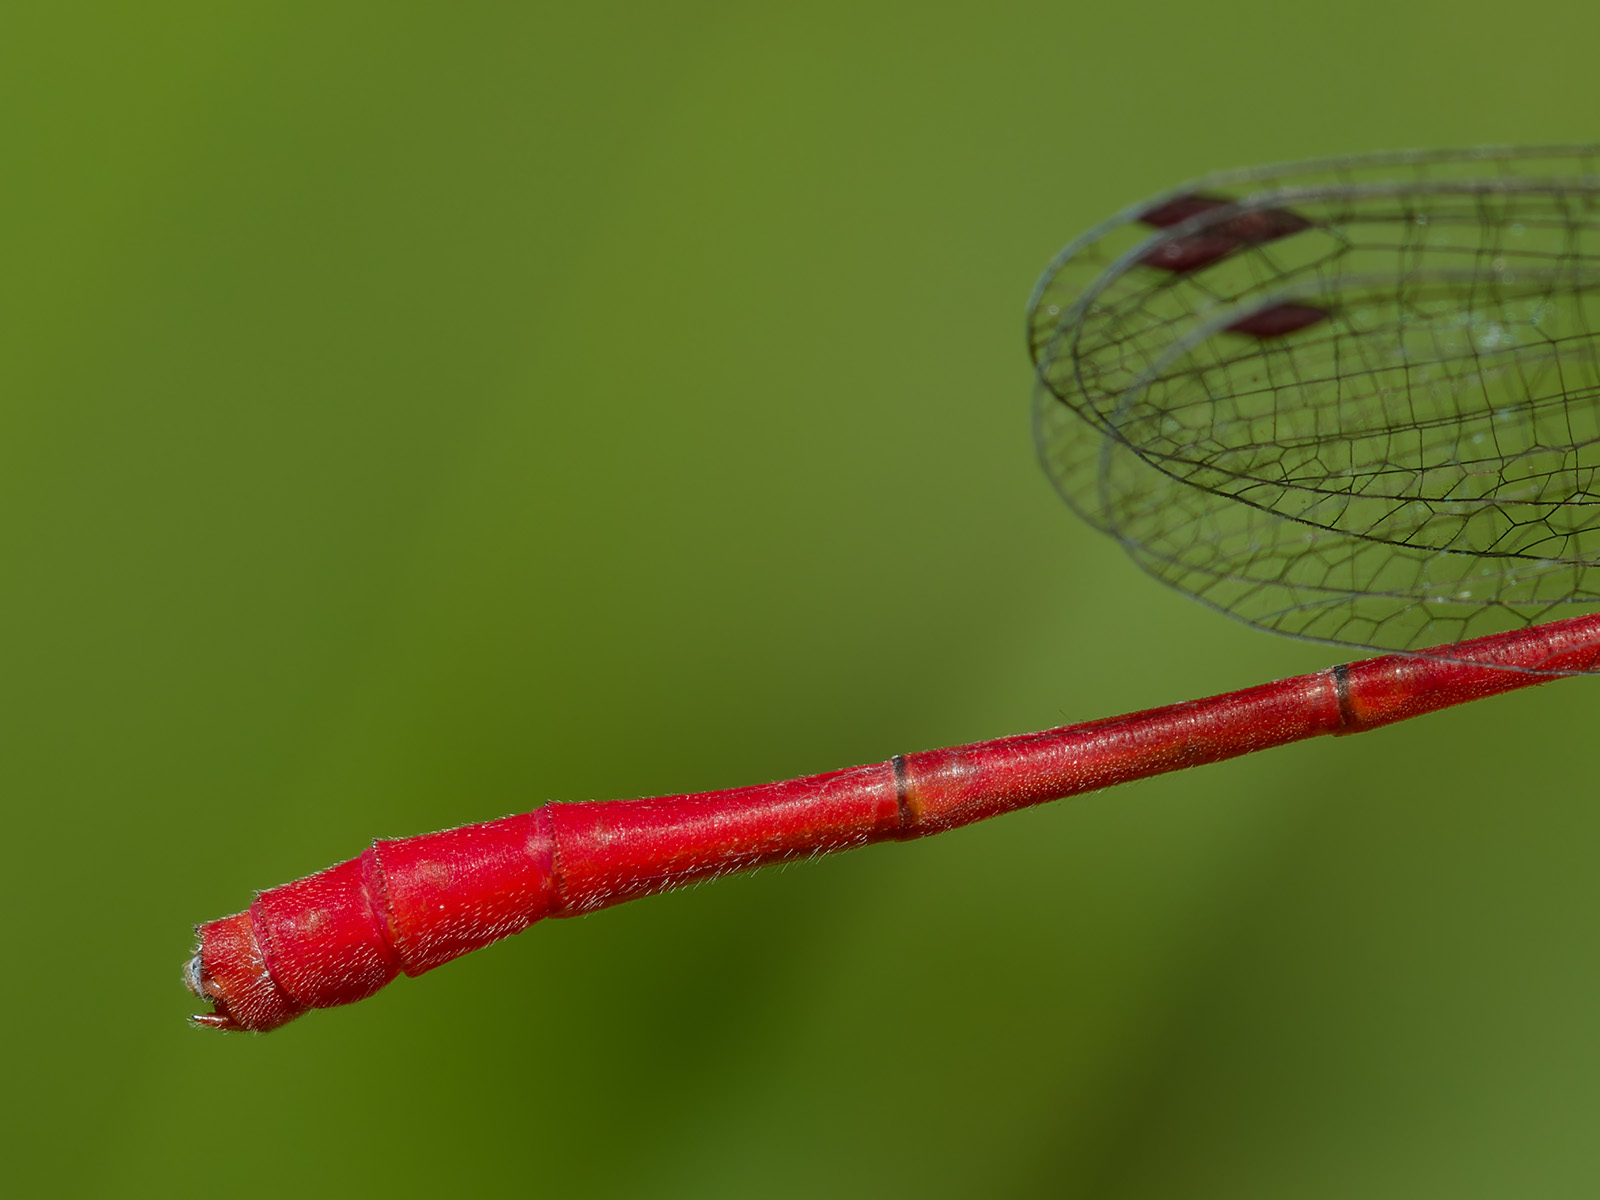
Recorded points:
(1345,406)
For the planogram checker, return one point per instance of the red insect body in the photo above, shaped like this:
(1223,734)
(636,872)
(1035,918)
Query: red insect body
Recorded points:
(413,903)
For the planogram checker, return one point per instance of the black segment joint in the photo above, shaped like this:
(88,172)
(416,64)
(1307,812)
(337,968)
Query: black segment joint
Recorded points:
(902,791)
(1341,694)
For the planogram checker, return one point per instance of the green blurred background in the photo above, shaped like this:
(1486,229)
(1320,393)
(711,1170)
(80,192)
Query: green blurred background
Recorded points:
(417,412)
